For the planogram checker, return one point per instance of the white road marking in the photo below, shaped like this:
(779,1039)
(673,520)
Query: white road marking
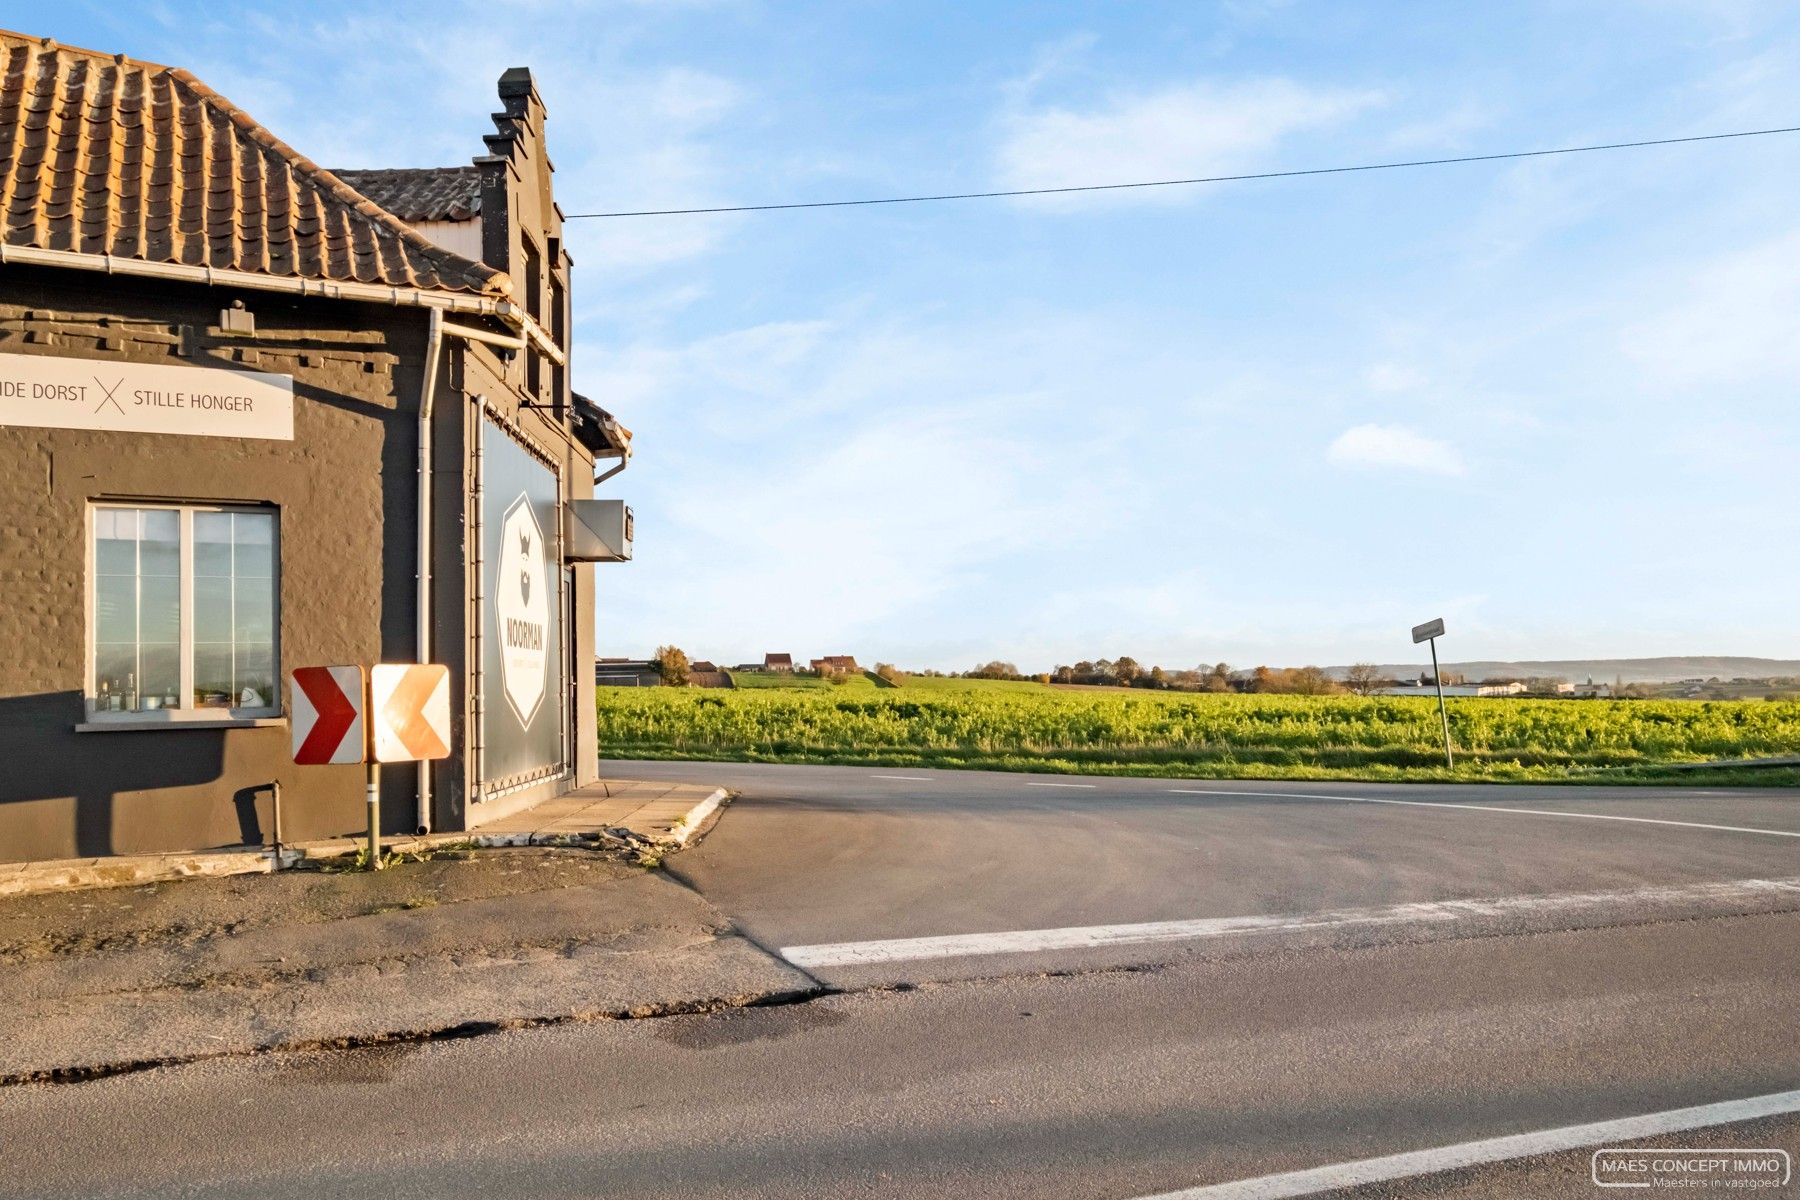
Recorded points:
(907,778)
(1074,785)
(1490,1150)
(1087,937)
(1530,812)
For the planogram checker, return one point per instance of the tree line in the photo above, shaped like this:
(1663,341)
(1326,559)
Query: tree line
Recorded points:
(1363,678)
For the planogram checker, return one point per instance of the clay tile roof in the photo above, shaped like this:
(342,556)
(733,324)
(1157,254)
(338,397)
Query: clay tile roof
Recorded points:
(598,429)
(421,193)
(101,154)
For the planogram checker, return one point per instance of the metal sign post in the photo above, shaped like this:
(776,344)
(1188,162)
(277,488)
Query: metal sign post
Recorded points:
(330,727)
(1431,631)
(373,792)
(409,721)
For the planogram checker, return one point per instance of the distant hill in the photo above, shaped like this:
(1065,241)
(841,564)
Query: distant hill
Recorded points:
(1605,670)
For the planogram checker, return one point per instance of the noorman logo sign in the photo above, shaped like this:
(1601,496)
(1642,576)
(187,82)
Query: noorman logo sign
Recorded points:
(44,392)
(522,610)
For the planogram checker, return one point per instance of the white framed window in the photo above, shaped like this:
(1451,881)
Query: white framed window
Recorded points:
(183,613)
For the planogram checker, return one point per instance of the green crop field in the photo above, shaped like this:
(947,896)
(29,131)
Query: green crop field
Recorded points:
(789,682)
(1034,728)
(944,684)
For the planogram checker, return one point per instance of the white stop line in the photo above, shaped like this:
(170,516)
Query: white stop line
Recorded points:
(1529,812)
(1491,1150)
(1089,937)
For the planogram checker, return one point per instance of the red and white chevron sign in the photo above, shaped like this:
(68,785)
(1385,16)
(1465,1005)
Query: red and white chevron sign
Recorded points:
(328,715)
(410,707)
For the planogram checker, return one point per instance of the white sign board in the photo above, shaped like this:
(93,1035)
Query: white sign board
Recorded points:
(522,610)
(1427,631)
(46,392)
(410,707)
(328,715)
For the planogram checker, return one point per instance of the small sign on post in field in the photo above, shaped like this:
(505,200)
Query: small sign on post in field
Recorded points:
(1431,631)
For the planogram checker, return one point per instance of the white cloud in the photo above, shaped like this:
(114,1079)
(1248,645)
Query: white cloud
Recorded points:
(847,479)
(1179,132)
(1395,377)
(624,134)
(1384,447)
(821,546)
(1445,129)
(1731,320)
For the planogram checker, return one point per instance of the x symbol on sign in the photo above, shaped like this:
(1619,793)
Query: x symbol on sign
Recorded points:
(109,394)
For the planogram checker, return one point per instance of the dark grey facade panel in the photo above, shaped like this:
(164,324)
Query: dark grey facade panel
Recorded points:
(524,731)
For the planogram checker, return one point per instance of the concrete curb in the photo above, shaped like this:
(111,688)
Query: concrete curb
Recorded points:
(1788,761)
(697,816)
(70,874)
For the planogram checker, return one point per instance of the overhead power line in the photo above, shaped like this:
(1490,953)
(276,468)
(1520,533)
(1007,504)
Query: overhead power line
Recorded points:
(1163,183)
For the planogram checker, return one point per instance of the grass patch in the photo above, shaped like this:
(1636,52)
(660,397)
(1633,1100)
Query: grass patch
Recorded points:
(783,681)
(933,683)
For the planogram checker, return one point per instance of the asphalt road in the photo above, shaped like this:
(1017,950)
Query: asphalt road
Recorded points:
(1290,980)
(824,854)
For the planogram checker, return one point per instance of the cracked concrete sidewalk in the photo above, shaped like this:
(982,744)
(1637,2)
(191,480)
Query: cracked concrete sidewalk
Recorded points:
(97,982)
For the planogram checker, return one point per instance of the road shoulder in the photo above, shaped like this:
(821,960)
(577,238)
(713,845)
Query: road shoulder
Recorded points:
(99,983)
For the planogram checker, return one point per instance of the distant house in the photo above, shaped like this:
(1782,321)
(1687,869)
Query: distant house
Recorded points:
(778,662)
(836,664)
(1511,688)
(625,672)
(703,665)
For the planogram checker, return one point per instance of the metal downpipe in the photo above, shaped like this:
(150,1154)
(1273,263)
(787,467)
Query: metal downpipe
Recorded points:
(434,344)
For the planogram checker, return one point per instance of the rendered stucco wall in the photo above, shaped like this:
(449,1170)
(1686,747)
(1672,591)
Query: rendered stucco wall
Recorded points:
(347,546)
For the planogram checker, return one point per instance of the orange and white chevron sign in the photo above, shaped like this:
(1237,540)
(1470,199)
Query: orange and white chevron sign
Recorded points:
(410,708)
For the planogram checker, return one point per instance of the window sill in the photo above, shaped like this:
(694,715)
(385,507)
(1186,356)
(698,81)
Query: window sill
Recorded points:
(146,726)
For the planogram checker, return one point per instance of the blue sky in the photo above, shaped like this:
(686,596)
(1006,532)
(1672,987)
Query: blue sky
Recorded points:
(1553,400)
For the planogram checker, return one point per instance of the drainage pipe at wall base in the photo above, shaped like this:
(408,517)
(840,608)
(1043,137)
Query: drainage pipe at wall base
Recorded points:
(434,343)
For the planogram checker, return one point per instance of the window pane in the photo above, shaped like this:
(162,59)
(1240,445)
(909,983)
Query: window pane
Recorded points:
(115,541)
(161,542)
(115,608)
(212,675)
(254,538)
(212,609)
(139,591)
(161,677)
(255,677)
(212,544)
(255,611)
(159,610)
(115,670)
